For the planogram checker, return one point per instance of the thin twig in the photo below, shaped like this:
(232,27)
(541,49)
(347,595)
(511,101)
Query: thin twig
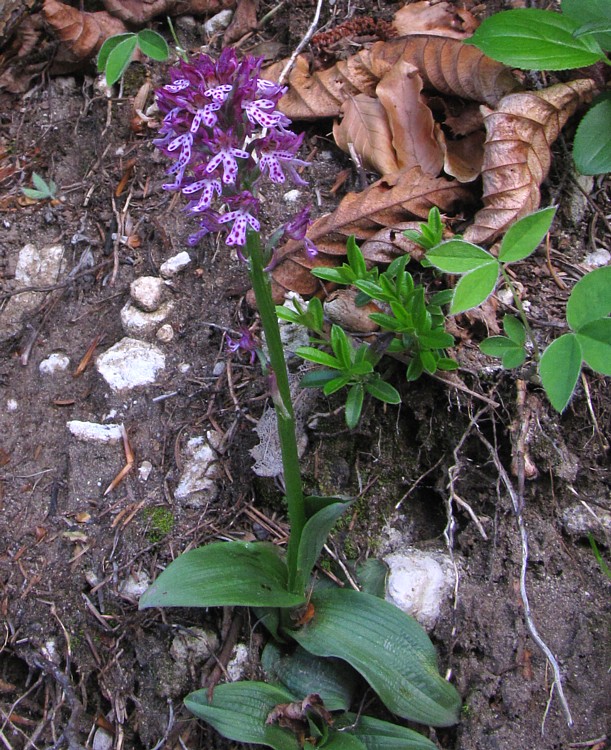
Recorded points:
(516,502)
(308,35)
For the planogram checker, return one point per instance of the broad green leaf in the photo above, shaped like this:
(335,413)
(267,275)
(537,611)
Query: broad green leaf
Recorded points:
(589,11)
(559,369)
(595,340)
(153,45)
(592,144)
(239,710)
(383,391)
(314,536)
(316,355)
(376,734)
(387,647)
(458,256)
(343,741)
(315,503)
(535,40)
(354,405)
(514,328)
(245,574)
(496,346)
(109,45)
(302,673)
(474,288)
(590,298)
(523,237)
(513,358)
(371,576)
(436,339)
(119,58)
(317,378)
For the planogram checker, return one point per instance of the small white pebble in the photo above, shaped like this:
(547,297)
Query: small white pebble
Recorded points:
(144,470)
(165,333)
(292,196)
(11,404)
(218,369)
(54,363)
(184,367)
(505,296)
(598,258)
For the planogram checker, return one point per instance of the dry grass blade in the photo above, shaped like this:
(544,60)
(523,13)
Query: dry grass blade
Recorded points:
(517,156)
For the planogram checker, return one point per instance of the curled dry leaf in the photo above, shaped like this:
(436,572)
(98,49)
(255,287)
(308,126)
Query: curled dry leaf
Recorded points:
(81,34)
(446,65)
(517,156)
(139,12)
(386,203)
(429,17)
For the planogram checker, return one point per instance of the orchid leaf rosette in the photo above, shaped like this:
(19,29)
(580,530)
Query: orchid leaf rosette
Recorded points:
(226,136)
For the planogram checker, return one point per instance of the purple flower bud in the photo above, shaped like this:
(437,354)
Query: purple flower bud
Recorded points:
(296,230)
(246,343)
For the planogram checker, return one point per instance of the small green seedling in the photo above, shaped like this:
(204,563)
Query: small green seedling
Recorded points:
(580,36)
(118,51)
(42,189)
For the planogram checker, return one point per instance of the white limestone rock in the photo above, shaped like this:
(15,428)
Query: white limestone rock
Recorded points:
(198,483)
(218,22)
(136,322)
(238,662)
(55,362)
(130,363)
(147,292)
(175,265)
(92,432)
(165,334)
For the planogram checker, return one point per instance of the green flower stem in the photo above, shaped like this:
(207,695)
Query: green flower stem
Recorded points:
(518,303)
(284,406)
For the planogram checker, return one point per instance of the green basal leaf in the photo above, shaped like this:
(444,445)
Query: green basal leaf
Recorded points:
(592,11)
(559,369)
(595,340)
(376,734)
(592,144)
(269,617)
(239,710)
(458,256)
(342,741)
(153,45)
(523,237)
(316,314)
(336,384)
(354,405)
(108,46)
(302,673)
(535,40)
(415,369)
(292,316)
(316,355)
(447,364)
(343,275)
(436,339)
(429,362)
(387,647)
(247,574)
(444,297)
(383,391)
(119,58)
(514,328)
(317,378)
(386,321)
(342,348)
(355,258)
(314,536)
(372,575)
(474,288)
(590,298)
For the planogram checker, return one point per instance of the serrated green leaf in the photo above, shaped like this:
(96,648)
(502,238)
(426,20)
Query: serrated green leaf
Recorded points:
(514,328)
(590,11)
(108,46)
(239,710)
(314,536)
(474,288)
(458,256)
(119,58)
(153,45)
(559,369)
(383,391)
(302,673)
(590,298)
(246,574)
(523,237)
(376,734)
(535,39)
(354,405)
(595,341)
(317,356)
(387,647)
(592,144)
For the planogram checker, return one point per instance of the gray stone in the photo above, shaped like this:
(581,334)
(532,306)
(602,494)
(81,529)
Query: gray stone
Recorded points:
(130,363)
(580,521)
(165,334)
(218,23)
(136,322)
(198,483)
(175,265)
(147,292)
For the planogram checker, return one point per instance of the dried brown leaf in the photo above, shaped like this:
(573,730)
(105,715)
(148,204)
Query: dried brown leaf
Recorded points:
(463,157)
(411,121)
(139,12)
(81,34)
(517,152)
(365,126)
(429,17)
(244,20)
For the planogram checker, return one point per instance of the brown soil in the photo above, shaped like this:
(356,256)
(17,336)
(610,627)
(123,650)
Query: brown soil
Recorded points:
(75,653)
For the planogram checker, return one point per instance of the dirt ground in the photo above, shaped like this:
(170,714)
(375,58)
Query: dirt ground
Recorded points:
(78,663)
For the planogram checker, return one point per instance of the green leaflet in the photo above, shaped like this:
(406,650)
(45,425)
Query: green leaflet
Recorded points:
(595,341)
(246,574)
(153,45)
(303,673)
(523,237)
(590,298)
(559,369)
(382,735)
(475,287)
(387,647)
(592,145)
(238,711)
